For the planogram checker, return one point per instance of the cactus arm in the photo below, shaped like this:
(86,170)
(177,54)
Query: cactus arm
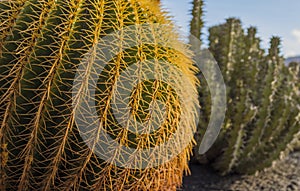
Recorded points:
(275,85)
(232,50)
(196,23)
(282,103)
(229,59)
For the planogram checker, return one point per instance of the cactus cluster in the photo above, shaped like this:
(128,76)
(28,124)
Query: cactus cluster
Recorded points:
(263,110)
(42,44)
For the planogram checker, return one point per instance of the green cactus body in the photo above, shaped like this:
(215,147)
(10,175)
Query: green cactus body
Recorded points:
(41,147)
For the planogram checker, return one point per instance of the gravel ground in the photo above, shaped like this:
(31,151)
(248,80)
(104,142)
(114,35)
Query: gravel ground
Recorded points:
(283,176)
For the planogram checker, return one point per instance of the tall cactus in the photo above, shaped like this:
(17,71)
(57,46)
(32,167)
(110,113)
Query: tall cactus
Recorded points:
(196,26)
(263,111)
(43,45)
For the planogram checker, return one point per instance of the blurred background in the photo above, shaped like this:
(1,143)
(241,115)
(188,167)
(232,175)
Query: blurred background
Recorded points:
(271,17)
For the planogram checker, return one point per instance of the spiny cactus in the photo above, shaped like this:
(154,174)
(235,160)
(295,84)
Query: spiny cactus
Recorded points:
(263,109)
(43,46)
(197,23)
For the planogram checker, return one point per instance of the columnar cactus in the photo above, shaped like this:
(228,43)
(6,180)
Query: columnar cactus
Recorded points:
(197,23)
(263,109)
(43,45)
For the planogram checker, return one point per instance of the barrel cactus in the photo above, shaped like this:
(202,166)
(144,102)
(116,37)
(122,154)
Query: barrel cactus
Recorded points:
(49,52)
(262,118)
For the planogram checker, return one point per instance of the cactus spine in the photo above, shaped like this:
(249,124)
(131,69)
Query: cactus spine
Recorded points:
(42,46)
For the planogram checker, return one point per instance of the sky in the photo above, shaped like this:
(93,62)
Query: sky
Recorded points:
(271,17)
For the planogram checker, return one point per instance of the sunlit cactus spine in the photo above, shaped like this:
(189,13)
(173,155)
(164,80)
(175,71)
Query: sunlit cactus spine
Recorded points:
(262,118)
(42,46)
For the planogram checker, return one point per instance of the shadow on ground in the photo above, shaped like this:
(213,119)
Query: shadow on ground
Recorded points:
(284,175)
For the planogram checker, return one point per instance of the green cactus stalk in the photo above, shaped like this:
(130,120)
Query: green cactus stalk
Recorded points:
(196,26)
(197,23)
(42,46)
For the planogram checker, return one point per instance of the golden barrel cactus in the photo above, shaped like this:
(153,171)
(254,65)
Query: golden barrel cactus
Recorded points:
(90,90)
